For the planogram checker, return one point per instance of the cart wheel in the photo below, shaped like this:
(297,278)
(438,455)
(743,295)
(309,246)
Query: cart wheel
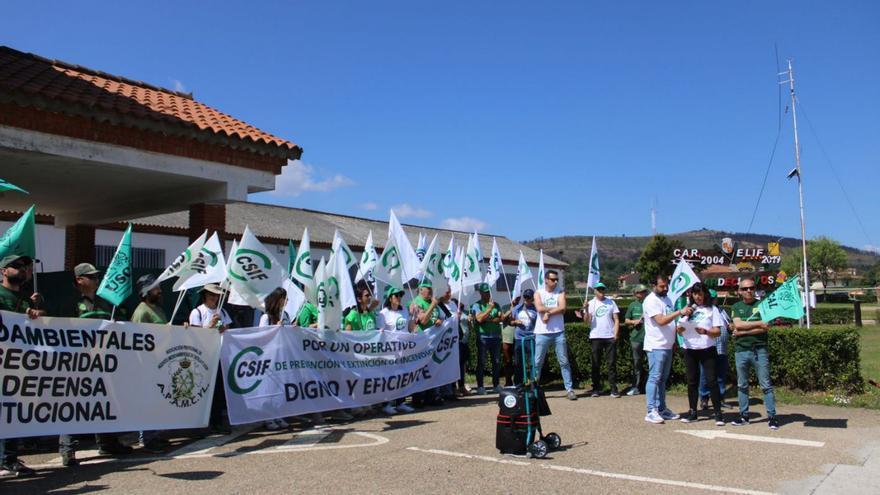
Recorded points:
(553,441)
(538,449)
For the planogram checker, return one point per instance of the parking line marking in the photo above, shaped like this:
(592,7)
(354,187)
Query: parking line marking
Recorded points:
(591,472)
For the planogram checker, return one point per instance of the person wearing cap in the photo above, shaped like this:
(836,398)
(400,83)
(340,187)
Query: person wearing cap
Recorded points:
(149,310)
(487,316)
(634,319)
(208,314)
(394,317)
(424,307)
(17,270)
(721,361)
(550,329)
(602,314)
(524,315)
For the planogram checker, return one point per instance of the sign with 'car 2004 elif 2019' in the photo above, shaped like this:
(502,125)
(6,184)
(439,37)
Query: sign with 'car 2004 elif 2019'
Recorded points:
(274,372)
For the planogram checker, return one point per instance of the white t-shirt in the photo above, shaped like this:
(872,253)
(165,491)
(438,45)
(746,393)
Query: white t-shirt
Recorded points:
(264,319)
(557,322)
(391,320)
(202,316)
(657,336)
(704,317)
(602,318)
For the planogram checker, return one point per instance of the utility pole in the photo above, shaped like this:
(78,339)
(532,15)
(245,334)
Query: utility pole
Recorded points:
(797,172)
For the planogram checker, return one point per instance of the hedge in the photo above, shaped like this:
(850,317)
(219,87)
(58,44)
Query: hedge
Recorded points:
(821,358)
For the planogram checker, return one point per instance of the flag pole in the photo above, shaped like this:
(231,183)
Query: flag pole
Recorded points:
(177,306)
(113,313)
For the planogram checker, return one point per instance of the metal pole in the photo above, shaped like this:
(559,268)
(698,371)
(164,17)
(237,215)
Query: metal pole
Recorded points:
(797,157)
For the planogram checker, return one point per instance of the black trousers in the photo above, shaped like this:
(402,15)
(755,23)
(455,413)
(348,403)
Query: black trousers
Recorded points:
(608,348)
(640,374)
(218,402)
(693,358)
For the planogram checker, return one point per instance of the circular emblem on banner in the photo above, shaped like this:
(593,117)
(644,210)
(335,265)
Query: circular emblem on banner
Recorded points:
(186,380)
(510,401)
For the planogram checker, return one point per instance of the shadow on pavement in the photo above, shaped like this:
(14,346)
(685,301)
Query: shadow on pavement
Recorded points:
(810,422)
(401,424)
(193,475)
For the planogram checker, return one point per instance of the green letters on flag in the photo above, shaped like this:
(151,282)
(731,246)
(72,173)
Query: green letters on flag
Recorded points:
(116,285)
(784,302)
(20,238)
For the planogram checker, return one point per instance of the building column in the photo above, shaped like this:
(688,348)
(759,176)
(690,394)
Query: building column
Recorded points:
(79,245)
(207,216)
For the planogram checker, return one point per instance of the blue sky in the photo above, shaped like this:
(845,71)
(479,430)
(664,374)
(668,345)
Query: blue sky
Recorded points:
(526,119)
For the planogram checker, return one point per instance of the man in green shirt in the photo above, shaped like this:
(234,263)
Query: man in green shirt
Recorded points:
(308,315)
(751,351)
(150,311)
(16,270)
(635,321)
(424,307)
(487,318)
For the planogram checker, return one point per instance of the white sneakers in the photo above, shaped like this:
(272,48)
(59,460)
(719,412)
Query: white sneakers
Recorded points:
(654,417)
(389,410)
(276,424)
(405,408)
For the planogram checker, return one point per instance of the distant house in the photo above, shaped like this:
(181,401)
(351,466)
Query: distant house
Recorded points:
(627,281)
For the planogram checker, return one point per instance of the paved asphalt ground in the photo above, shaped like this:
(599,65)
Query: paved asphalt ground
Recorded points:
(608,448)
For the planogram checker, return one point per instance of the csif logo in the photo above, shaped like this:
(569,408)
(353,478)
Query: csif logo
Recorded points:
(204,260)
(681,282)
(594,264)
(304,259)
(390,259)
(445,345)
(246,370)
(254,264)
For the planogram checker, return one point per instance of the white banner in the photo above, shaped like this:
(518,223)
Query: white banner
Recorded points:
(74,375)
(275,372)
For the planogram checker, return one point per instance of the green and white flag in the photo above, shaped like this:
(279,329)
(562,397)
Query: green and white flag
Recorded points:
(369,259)
(784,302)
(116,285)
(208,267)
(302,268)
(432,269)
(478,252)
(541,270)
(683,278)
(234,297)
(405,252)
(20,239)
(422,246)
(447,260)
(593,277)
(8,186)
(471,273)
(321,291)
(523,274)
(496,268)
(339,271)
(253,271)
(389,269)
(339,246)
(183,260)
(291,258)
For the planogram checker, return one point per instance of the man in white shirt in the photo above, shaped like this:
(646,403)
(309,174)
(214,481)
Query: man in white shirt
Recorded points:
(550,329)
(210,315)
(659,339)
(603,317)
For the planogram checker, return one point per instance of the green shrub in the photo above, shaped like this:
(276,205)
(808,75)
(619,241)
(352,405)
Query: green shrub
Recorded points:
(832,316)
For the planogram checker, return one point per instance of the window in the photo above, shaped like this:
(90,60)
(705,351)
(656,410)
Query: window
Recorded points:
(141,257)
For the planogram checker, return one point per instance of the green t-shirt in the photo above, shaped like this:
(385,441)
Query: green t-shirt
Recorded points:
(487,328)
(308,315)
(424,304)
(634,312)
(98,309)
(748,312)
(13,301)
(145,313)
(360,321)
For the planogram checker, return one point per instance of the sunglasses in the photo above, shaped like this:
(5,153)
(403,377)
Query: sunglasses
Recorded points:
(553,280)
(746,289)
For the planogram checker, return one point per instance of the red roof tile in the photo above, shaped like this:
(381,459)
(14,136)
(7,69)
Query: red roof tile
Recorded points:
(79,90)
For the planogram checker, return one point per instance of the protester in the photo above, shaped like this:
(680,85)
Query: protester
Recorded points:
(720,362)
(699,331)
(464,351)
(86,279)
(601,314)
(361,317)
(526,316)
(425,309)
(550,329)
(209,315)
(488,327)
(275,314)
(308,315)
(659,340)
(635,321)
(17,270)
(149,310)
(394,317)
(750,334)
(508,337)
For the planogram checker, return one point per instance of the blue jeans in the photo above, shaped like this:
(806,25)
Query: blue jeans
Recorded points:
(720,372)
(659,366)
(493,345)
(760,359)
(542,345)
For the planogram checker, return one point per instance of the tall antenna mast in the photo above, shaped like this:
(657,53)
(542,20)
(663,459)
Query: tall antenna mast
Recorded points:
(654,216)
(797,172)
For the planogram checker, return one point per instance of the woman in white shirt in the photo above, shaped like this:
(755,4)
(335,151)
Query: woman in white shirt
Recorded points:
(699,331)
(210,315)
(394,317)
(275,315)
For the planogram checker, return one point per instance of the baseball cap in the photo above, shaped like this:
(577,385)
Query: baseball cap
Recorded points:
(640,288)
(483,287)
(84,269)
(425,283)
(599,285)
(528,293)
(12,258)
(391,290)
(145,283)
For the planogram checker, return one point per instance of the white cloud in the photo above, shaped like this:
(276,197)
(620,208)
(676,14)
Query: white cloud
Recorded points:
(465,224)
(408,211)
(370,206)
(178,86)
(298,177)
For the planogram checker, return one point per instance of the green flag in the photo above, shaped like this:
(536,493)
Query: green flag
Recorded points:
(116,284)
(20,238)
(8,186)
(291,258)
(784,302)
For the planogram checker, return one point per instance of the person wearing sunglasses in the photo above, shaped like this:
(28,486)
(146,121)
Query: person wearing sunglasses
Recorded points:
(550,329)
(750,334)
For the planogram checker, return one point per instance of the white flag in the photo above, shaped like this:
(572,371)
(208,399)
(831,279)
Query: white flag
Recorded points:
(339,246)
(523,274)
(408,259)
(369,259)
(322,295)
(234,297)
(477,250)
(593,277)
(295,300)
(541,270)
(447,260)
(302,268)
(389,269)
(209,267)
(339,271)
(470,265)
(496,268)
(682,279)
(184,259)
(253,271)
(432,269)
(422,246)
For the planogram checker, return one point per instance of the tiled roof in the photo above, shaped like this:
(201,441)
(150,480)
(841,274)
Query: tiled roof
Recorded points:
(31,80)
